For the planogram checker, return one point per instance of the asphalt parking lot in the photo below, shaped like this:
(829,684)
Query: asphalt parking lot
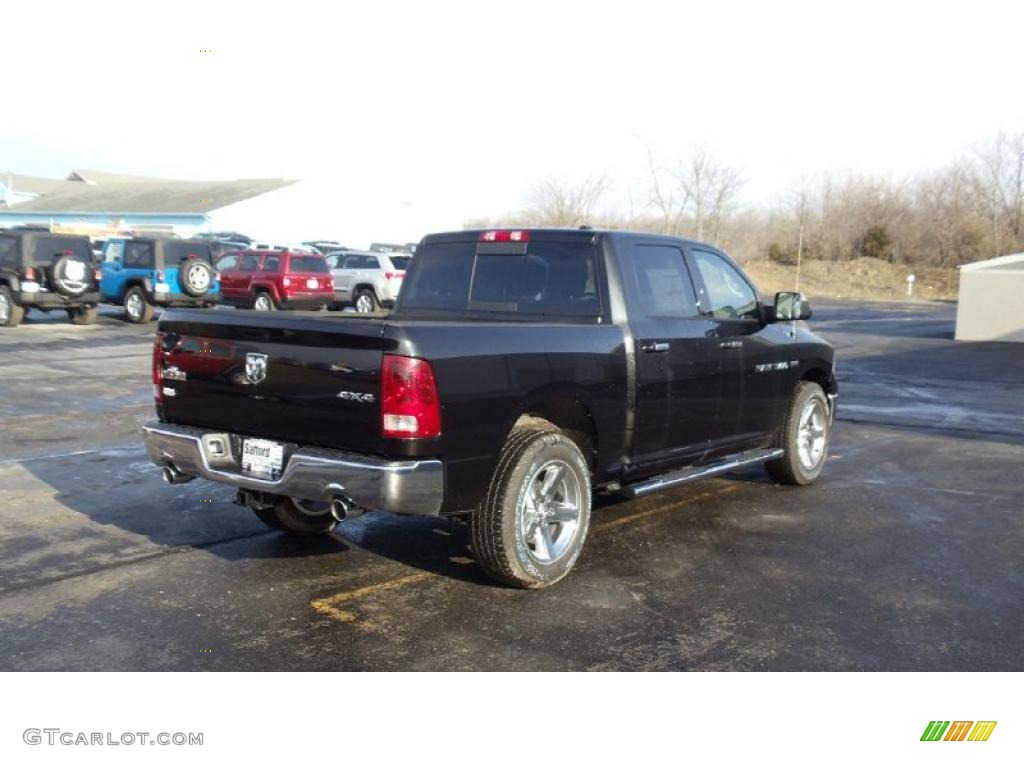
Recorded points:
(908,554)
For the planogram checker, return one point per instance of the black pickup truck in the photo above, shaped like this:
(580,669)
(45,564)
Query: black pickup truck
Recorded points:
(520,371)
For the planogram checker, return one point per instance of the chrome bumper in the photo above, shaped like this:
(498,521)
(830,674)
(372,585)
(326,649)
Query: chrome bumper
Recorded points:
(414,487)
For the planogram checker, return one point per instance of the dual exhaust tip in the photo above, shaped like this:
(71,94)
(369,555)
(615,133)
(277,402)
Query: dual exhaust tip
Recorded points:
(341,507)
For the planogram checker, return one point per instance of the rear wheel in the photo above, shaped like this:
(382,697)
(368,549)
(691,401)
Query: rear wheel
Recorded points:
(11,314)
(365,301)
(82,315)
(804,437)
(137,306)
(530,528)
(263,302)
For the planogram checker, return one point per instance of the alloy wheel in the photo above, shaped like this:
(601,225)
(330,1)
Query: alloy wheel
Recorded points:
(549,511)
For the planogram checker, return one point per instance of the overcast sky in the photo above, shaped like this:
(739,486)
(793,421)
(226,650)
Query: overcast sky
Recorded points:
(465,106)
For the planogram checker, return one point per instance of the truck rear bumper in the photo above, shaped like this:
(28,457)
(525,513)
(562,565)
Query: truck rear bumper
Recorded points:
(414,487)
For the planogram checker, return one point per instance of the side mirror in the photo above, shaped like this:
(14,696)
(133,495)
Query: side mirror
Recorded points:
(791,306)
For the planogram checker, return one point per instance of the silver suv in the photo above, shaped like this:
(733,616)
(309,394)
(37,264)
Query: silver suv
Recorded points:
(365,279)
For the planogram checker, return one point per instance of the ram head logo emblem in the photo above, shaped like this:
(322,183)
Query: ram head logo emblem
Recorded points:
(255,367)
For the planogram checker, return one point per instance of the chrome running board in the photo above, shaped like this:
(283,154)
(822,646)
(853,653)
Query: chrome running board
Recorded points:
(672,479)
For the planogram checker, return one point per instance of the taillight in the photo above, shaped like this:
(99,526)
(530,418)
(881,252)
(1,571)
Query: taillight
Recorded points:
(394,275)
(159,276)
(158,368)
(409,403)
(30,273)
(98,275)
(286,281)
(505,236)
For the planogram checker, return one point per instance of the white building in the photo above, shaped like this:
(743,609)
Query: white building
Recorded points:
(991,301)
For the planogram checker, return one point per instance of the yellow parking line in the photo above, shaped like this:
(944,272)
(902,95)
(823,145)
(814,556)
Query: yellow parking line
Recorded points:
(330,606)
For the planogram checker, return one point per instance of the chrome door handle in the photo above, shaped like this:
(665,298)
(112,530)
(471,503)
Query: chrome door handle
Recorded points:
(657,346)
(735,344)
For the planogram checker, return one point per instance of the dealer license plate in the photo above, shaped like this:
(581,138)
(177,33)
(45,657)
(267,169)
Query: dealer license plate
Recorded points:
(262,458)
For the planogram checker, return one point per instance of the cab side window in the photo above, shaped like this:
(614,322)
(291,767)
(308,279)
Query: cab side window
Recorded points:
(660,283)
(227,263)
(726,295)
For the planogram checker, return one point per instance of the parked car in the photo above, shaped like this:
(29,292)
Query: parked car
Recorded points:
(367,280)
(39,270)
(141,274)
(226,237)
(268,280)
(519,371)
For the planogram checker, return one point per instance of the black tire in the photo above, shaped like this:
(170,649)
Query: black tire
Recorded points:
(368,301)
(497,527)
(269,303)
(71,276)
(137,307)
(790,468)
(11,313)
(302,522)
(195,277)
(82,315)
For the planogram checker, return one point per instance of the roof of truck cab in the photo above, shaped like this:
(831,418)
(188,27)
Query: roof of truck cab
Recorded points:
(558,233)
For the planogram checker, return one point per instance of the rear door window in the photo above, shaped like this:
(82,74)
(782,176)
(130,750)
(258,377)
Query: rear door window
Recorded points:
(250,262)
(659,283)
(138,255)
(113,252)
(227,262)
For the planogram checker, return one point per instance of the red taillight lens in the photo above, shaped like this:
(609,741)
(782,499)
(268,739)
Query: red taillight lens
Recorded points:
(31,273)
(409,403)
(158,368)
(98,275)
(394,275)
(505,236)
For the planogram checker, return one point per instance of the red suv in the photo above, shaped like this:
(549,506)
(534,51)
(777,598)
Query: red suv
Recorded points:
(275,280)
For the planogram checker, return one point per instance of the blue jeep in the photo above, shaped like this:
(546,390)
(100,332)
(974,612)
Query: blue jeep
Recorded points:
(144,273)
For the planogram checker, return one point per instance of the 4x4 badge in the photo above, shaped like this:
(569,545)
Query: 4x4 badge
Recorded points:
(255,367)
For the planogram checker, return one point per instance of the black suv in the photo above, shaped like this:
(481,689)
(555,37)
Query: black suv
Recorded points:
(40,270)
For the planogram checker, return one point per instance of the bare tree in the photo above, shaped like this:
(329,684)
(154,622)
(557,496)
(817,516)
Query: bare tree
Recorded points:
(710,188)
(558,204)
(1001,181)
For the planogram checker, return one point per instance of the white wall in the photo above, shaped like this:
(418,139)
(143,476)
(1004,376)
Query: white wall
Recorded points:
(333,210)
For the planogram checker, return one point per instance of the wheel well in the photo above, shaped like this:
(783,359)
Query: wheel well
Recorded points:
(365,285)
(570,416)
(129,284)
(822,378)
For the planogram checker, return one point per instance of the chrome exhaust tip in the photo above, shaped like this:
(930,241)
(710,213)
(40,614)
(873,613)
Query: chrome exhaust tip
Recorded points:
(174,476)
(343,509)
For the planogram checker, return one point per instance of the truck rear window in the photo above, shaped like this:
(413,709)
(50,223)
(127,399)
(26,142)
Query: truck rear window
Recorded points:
(550,278)
(174,253)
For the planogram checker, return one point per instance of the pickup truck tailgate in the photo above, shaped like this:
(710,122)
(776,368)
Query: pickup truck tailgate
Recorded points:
(305,379)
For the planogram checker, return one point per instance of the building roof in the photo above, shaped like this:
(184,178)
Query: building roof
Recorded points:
(31,185)
(1011,261)
(147,196)
(90,176)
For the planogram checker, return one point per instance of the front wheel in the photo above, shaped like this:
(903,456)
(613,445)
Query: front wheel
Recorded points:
(530,528)
(804,437)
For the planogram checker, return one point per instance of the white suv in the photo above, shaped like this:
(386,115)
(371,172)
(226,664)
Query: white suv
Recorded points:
(366,279)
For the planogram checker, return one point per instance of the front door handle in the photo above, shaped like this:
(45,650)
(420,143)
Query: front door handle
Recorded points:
(655,346)
(734,344)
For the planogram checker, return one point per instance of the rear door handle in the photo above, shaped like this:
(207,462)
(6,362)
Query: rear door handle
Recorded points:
(734,344)
(656,346)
